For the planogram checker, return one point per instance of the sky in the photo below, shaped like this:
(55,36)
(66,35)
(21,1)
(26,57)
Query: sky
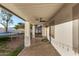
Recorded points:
(16,20)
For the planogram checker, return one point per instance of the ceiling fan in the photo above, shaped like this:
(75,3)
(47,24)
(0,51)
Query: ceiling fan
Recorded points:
(41,20)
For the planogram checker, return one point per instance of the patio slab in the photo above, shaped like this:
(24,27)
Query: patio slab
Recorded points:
(39,48)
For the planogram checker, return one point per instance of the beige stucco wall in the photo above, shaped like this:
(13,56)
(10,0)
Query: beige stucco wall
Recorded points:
(63,41)
(63,25)
(76,27)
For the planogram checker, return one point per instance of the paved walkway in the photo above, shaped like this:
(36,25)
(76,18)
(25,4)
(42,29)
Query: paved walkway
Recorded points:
(39,48)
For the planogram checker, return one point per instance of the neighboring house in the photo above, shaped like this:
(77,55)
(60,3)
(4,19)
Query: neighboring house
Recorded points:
(20,30)
(2,29)
(10,29)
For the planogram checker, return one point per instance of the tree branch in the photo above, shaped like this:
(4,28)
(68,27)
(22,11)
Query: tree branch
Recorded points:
(3,24)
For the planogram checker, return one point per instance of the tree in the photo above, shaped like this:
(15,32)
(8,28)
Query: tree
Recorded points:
(5,19)
(19,26)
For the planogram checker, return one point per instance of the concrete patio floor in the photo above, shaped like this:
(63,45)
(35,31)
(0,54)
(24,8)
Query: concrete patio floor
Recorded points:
(39,48)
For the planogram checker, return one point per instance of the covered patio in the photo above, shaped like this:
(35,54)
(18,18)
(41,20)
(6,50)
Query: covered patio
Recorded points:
(39,48)
(56,22)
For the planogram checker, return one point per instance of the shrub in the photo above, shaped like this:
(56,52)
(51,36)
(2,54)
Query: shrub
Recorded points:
(4,38)
(44,39)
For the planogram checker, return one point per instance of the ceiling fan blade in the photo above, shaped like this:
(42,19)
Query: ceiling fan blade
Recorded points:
(42,21)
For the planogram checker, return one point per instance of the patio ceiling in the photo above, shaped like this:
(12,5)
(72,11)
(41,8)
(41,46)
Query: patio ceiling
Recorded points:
(34,11)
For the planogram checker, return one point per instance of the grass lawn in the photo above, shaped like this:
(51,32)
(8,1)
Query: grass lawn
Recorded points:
(10,47)
(16,51)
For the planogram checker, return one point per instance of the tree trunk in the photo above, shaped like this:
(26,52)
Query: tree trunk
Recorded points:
(6,28)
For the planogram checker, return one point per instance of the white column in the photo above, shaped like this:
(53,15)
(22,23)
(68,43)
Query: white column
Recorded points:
(27,34)
(43,31)
(48,34)
(33,31)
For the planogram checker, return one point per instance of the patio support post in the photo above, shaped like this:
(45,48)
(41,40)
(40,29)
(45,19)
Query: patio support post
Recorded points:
(43,31)
(33,31)
(27,34)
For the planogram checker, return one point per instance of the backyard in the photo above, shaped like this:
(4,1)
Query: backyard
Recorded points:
(11,33)
(11,46)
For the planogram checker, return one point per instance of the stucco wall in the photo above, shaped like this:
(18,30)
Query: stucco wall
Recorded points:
(63,41)
(76,27)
